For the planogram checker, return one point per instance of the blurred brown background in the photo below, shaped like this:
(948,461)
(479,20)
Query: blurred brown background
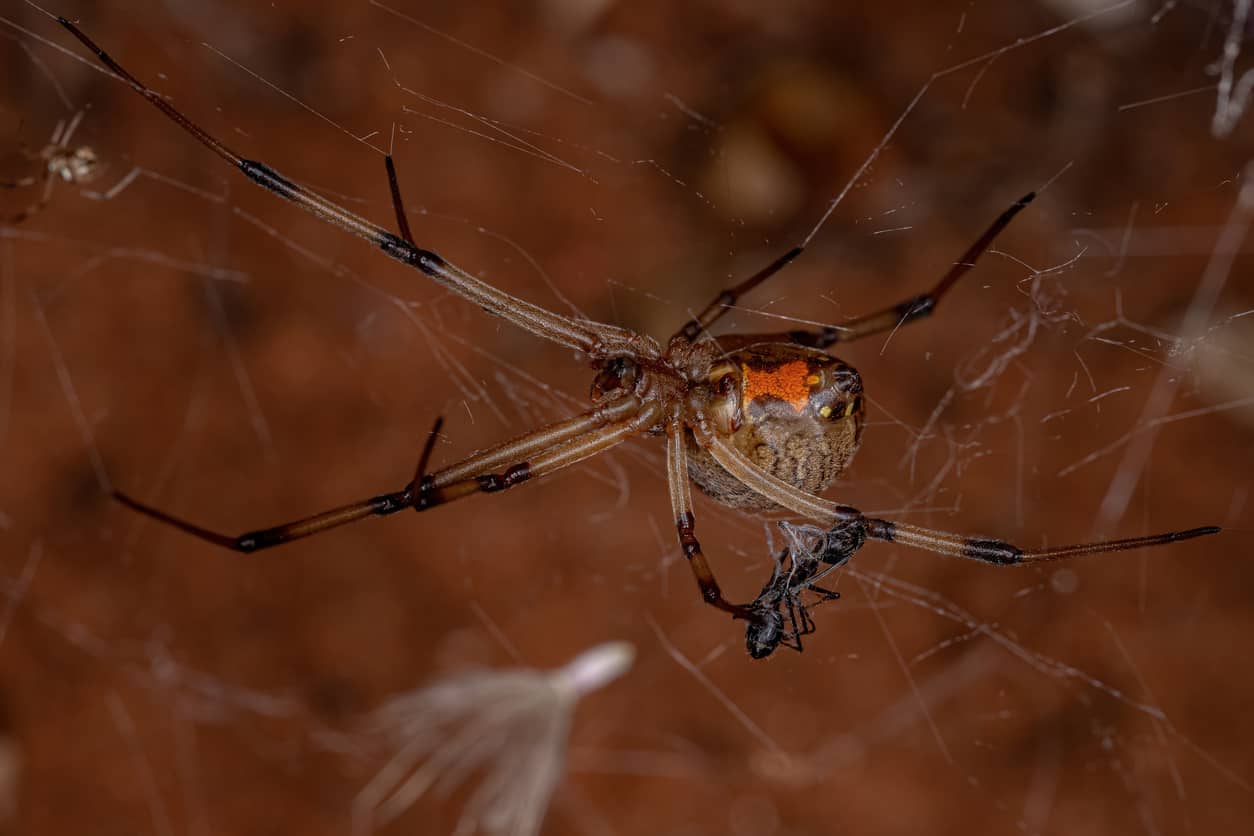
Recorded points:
(224,356)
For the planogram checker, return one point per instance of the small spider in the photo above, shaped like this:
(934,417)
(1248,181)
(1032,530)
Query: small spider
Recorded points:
(60,161)
(758,421)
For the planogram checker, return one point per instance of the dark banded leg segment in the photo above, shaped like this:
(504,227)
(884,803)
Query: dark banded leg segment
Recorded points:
(597,339)
(426,491)
(1000,553)
(422,485)
(381,505)
(681,505)
(402,221)
(903,313)
(723,303)
(433,491)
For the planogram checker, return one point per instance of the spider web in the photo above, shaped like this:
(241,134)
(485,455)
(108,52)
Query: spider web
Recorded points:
(169,329)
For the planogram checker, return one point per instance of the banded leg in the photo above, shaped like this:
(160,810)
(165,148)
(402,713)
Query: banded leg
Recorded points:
(402,222)
(534,454)
(597,339)
(681,506)
(1000,553)
(439,489)
(894,316)
(816,508)
(723,303)
(385,504)
(849,526)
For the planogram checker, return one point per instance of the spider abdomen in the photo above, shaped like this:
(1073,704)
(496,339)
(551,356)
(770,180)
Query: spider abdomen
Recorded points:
(799,419)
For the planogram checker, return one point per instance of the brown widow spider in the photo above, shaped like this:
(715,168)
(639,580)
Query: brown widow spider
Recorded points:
(60,161)
(758,421)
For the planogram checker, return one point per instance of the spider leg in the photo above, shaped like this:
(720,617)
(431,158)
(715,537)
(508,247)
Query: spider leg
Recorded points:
(822,511)
(439,488)
(402,222)
(18,184)
(1000,553)
(420,472)
(840,517)
(681,506)
(264,538)
(312,525)
(64,139)
(597,339)
(35,208)
(894,316)
(723,303)
(529,456)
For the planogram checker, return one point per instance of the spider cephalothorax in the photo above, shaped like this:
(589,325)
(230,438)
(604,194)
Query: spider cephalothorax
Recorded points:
(760,421)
